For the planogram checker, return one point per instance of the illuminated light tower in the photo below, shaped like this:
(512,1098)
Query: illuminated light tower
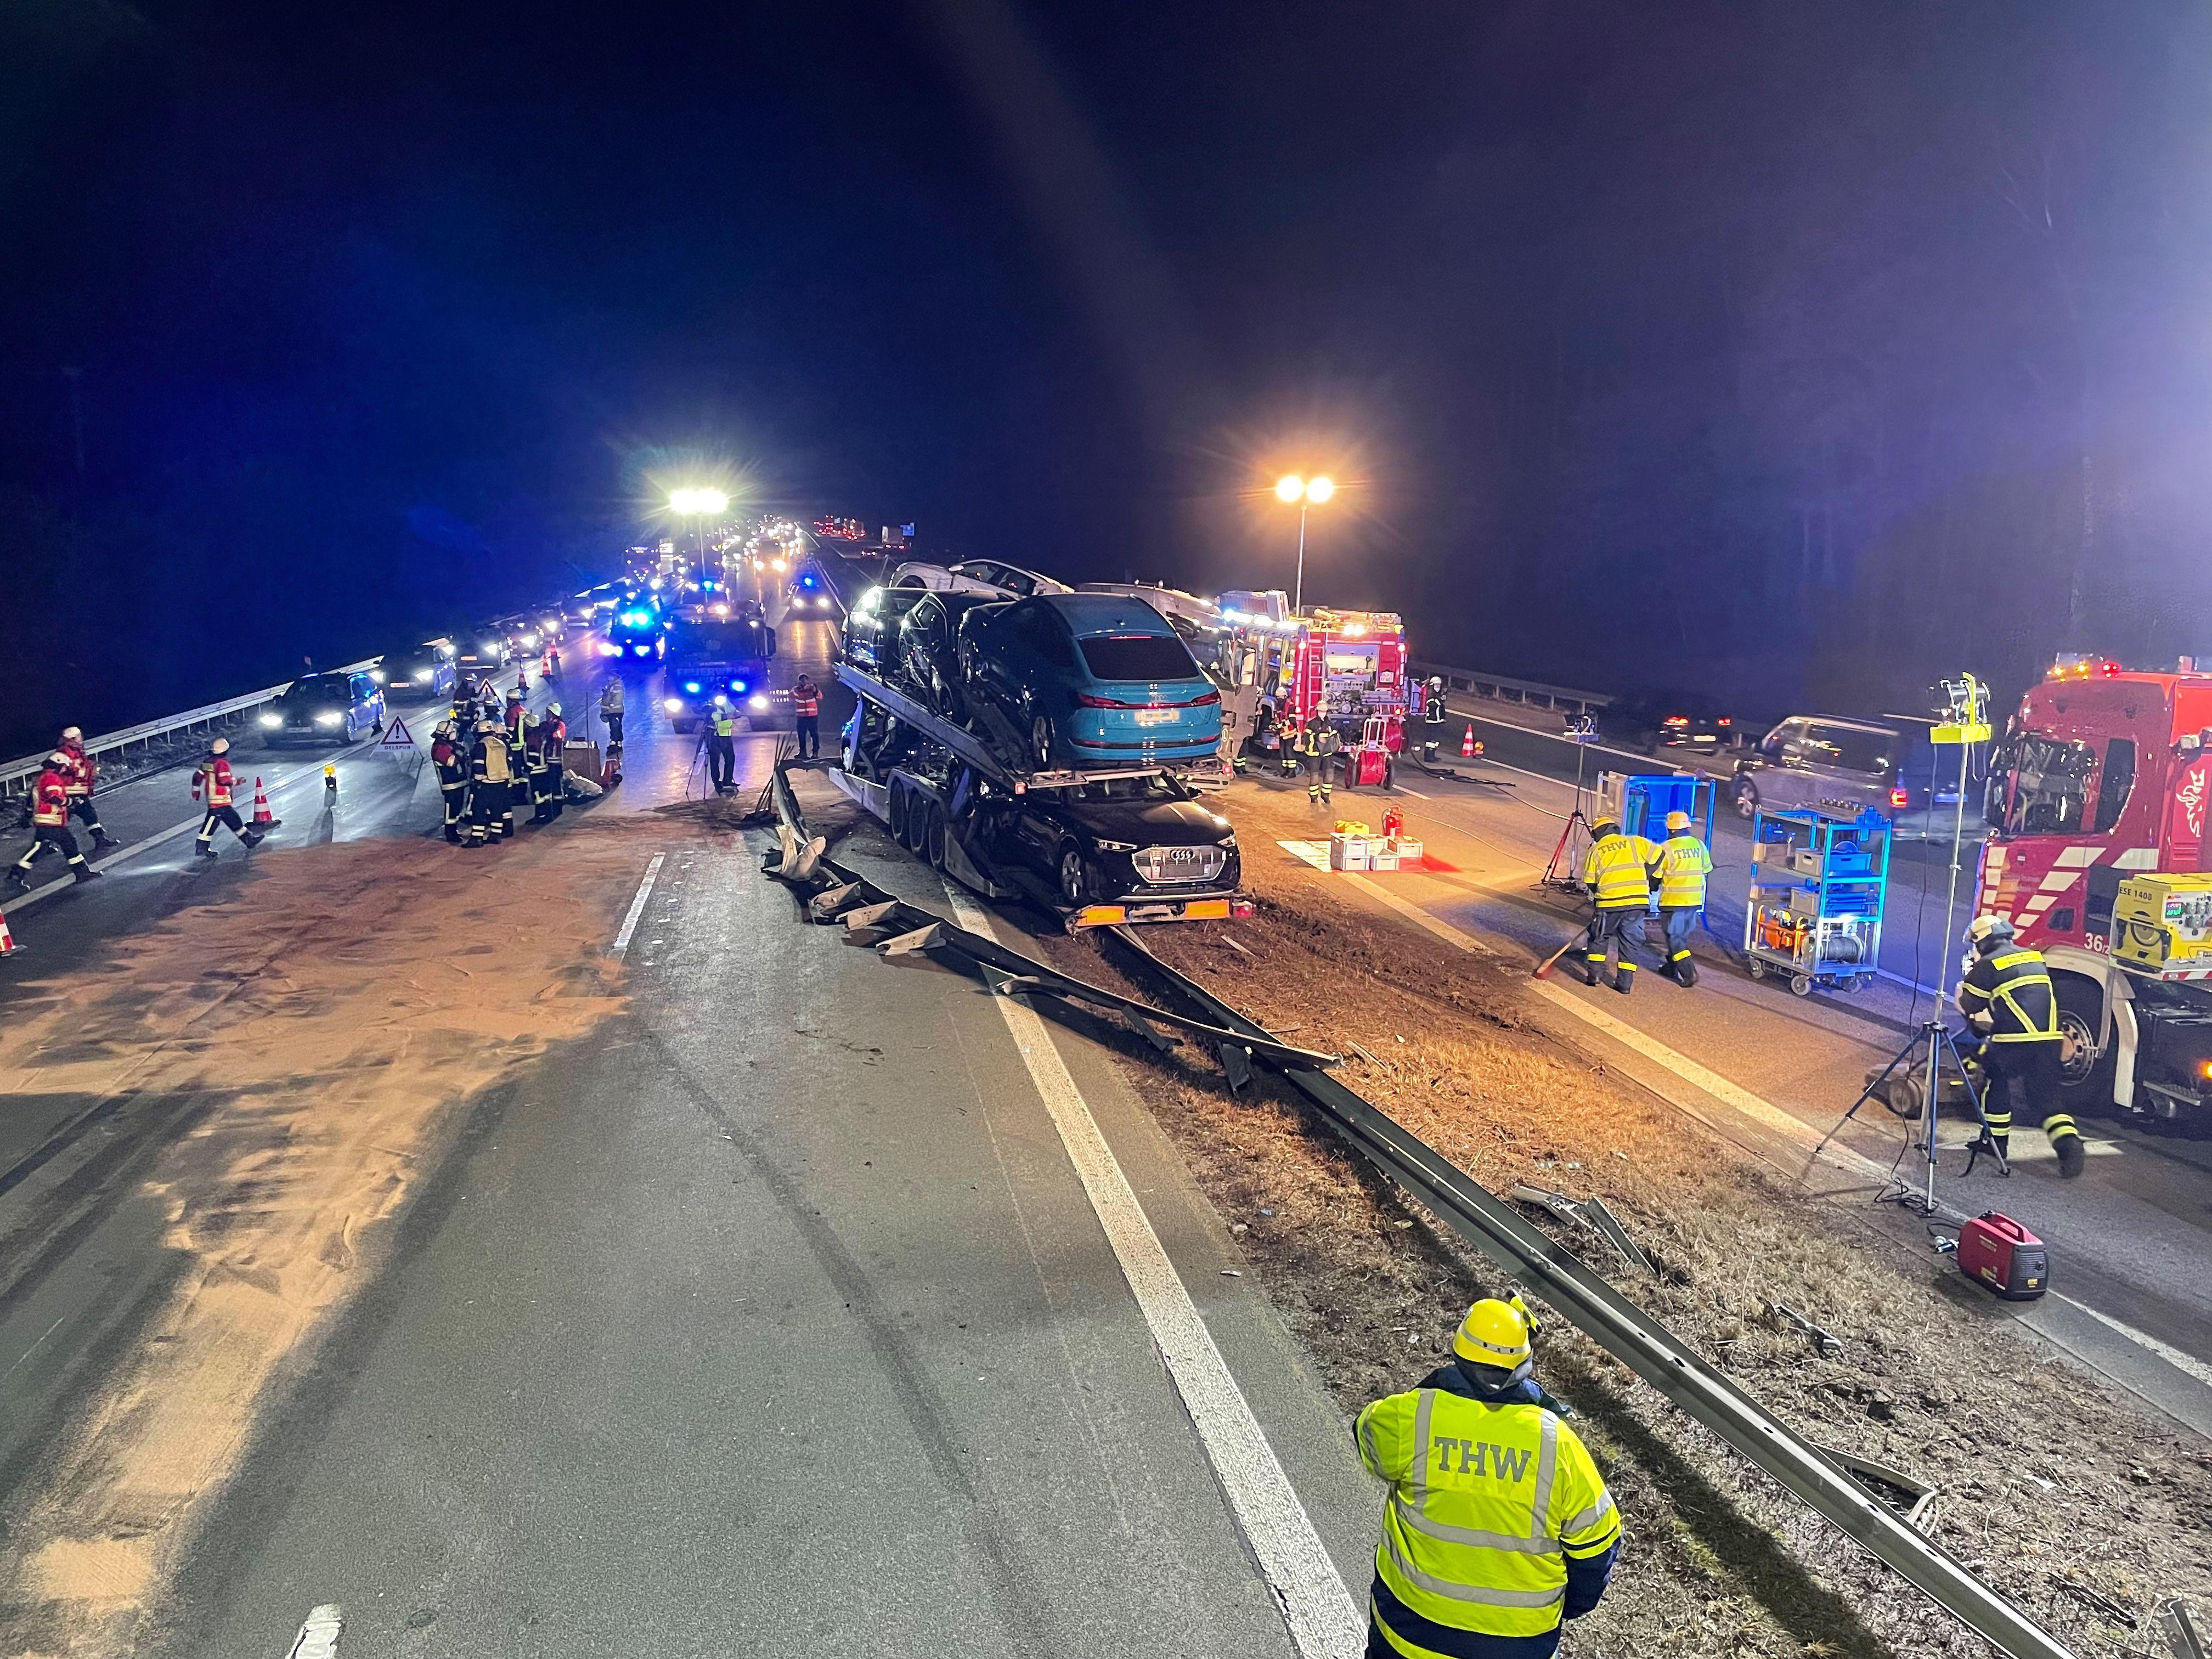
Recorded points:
(699,506)
(1307,493)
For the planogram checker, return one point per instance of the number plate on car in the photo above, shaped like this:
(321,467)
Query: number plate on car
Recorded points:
(1156,716)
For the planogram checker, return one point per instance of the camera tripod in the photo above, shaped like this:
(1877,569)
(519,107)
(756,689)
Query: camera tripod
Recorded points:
(1938,1041)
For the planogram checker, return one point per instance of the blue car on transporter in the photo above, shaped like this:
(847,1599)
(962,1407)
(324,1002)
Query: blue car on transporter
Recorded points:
(1094,680)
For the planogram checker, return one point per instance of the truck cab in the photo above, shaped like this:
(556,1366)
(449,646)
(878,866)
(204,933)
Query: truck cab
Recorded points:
(2102,774)
(719,661)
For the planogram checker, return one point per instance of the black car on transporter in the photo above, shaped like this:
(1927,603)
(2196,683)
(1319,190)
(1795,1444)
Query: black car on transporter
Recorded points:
(1119,840)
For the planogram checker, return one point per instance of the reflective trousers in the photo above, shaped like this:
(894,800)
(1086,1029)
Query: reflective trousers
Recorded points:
(2023,1082)
(1614,931)
(54,835)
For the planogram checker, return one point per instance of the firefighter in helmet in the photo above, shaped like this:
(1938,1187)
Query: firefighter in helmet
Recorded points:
(2008,998)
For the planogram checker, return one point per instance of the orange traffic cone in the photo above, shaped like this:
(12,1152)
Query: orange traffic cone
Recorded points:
(6,938)
(263,818)
(1466,743)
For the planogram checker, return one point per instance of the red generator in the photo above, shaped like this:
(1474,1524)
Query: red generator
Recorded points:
(2005,1257)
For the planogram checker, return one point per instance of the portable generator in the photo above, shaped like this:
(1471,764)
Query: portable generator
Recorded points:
(2163,923)
(2003,1257)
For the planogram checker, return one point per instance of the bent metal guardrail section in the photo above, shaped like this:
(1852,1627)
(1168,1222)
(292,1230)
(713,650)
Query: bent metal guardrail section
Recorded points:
(1500,1231)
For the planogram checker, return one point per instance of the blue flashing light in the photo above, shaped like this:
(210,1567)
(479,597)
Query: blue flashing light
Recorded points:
(691,685)
(641,651)
(736,685)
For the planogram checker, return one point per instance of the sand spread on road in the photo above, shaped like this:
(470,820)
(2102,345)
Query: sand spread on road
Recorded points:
(336,1009)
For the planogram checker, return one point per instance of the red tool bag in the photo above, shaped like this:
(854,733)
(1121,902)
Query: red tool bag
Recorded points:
(2005,1257)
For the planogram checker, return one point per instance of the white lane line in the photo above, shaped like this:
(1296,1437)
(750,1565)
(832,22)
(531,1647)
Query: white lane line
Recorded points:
(2182,1362)
(33,1349)
(1762,1112)
(318,1637)
(637,906)
(1323,1621)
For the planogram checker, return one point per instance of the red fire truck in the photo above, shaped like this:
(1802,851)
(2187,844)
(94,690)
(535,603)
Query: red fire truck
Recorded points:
(2102,775)
(1346,665)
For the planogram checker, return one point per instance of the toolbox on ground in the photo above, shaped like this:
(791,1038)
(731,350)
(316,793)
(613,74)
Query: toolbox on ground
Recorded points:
(2005,1257)
(581,759)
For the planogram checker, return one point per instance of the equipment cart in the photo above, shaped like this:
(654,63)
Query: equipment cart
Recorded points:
(1819,884)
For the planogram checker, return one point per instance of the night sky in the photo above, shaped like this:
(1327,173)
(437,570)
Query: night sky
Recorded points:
(1796,353)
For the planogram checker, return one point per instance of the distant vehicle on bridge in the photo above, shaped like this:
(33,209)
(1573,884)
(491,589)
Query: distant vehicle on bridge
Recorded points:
(325,708)
(418,670)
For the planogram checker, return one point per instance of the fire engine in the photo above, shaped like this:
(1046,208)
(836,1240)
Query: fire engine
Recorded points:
(2098,784)
(1345,666)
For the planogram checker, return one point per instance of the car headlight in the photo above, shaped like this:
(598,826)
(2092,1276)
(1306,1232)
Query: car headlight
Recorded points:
(377,674)
(1227,843)
(423,676)
(609,648)
(673,705)
(720,702)
(1115,845)
(329,718)
(757,704)
(273,720)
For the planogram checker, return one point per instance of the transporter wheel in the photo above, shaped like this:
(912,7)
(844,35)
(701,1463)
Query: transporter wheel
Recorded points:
(900,805)
(1042,740)
(2085,1086)
(934,833)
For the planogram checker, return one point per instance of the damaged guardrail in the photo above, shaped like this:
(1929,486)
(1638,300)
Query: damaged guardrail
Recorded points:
(1823,1481)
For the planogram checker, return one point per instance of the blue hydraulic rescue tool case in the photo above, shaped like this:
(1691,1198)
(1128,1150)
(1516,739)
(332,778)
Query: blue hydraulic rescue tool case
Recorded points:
(1819,884)
(1639,803)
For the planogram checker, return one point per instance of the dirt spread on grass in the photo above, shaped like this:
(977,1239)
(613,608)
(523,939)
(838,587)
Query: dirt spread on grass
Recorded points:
(2069,1498)
(333,1011)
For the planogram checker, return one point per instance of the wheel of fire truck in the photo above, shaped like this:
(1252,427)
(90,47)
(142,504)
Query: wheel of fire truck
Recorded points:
(2085,1076)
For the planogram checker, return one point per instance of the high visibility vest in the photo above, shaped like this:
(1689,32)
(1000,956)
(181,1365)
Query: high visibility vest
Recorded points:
(1487,1501)
(726,723)
(50,800)
(1617,871)
(807,704)
(2014,989)
(1684,864)
(215,777)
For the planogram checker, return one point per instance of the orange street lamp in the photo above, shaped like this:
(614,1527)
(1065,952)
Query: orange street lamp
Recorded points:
(1307,493)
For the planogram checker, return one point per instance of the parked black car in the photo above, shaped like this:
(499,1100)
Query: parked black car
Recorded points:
(1135,839)
(929,658)
(871,628)
(325,708)
(419,670)
(1652,720)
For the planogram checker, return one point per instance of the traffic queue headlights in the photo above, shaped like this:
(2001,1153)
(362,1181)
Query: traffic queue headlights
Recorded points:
(329,717)
(609,648)
(272,722)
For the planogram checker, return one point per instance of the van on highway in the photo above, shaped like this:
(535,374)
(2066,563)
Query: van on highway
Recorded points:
(1833,764)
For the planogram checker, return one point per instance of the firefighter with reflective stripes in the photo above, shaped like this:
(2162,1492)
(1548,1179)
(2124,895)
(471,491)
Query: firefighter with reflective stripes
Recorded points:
(83,778)
(806,717)
(491,798)
(1682,865)
(2007,996)
(553,739)
(50,817)
(1617,871)
(1318,748)
(451,760)
(1499,1527)
(216,783)
(534,767)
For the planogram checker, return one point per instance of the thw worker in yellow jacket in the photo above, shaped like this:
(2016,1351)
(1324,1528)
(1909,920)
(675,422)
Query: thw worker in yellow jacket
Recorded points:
(1499,1527)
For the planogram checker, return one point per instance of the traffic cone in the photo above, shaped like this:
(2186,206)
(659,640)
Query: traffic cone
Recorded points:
(263,818)
(1466,743)
(6,938)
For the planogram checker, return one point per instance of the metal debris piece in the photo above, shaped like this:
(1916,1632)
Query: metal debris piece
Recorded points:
(1361,1052)
(825,904)
(2183,1626)
(1239,949)
(1151,1033)
(921,939)
(1828,1344)
(1888,1484)
(869,916)
(1236,1061)
(1590,1212)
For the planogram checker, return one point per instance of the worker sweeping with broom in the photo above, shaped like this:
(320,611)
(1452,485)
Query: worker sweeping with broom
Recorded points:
(1617,871)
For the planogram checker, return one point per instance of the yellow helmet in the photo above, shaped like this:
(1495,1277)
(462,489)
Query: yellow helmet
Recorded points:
(1678,822)
(1495,1334)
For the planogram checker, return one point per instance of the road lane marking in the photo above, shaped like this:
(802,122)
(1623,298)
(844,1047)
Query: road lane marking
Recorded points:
(318,1637)
(2187,1364)
(1324,1620)
(636,907)
(1760,1111)
(33,1349)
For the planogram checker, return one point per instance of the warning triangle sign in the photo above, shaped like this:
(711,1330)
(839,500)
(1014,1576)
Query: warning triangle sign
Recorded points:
(396,736)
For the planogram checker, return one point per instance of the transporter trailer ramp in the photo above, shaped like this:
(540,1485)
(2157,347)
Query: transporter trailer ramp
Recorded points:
(948,794)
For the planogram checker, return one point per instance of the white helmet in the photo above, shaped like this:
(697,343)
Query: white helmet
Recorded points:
(57,758)
(1988,930)
(553,709)
(219,746)
(70,734)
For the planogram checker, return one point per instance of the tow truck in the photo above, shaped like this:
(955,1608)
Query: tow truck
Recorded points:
(2098,856)
(949,794)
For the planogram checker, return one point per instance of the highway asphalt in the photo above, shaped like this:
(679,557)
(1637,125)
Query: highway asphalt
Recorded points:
(774,1318)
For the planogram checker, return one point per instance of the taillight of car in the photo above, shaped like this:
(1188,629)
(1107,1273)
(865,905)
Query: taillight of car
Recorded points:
(1090,701)
(1678,719)
(1724,720)
(1898,800)
(1205,702)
